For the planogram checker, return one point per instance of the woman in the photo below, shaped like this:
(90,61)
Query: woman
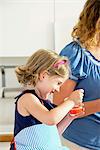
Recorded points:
(84,55)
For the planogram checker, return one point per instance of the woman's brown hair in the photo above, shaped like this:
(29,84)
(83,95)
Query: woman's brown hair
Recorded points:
(88,27)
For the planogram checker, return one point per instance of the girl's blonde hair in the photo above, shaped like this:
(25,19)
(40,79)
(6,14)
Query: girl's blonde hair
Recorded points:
(42,60)
(87,29)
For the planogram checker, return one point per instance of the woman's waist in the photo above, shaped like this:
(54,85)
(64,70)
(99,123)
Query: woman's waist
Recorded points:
(89,125)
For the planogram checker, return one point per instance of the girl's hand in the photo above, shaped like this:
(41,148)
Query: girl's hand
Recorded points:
(77,96)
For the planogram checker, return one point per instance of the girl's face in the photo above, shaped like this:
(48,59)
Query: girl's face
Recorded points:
(50,84)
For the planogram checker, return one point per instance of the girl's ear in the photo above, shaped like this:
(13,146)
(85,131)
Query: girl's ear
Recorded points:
(43,75)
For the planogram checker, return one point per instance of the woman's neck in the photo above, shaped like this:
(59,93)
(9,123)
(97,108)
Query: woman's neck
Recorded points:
(95,51)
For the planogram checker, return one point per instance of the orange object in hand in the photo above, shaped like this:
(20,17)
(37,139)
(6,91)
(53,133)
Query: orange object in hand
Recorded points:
(76,110)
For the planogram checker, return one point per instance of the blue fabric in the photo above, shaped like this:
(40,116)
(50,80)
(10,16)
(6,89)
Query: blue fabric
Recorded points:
(86,73)
(39,137)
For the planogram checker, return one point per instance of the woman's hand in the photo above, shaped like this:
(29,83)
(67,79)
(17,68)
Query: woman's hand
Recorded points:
(74,113)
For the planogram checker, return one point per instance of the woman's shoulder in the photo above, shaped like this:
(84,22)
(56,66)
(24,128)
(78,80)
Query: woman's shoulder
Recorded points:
(73,51)
(77,58)
(71,48)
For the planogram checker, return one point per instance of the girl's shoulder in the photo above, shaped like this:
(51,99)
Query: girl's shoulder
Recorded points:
(31,94)
(24,92)
(26,96)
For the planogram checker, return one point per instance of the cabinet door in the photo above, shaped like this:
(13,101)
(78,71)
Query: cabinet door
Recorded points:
(66,16)
(25,26)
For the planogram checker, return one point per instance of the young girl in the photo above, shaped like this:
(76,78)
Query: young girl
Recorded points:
(35,116)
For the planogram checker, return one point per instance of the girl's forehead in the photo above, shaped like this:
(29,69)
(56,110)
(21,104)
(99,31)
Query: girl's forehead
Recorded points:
(58,78)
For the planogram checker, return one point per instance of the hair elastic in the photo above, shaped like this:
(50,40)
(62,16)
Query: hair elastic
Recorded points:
(59,63)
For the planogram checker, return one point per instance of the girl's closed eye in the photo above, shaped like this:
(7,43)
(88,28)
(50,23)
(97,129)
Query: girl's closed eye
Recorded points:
(60,83)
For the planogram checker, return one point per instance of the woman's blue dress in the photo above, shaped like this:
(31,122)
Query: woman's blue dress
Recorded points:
(86,73)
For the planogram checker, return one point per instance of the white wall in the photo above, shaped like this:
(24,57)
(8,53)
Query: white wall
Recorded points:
(66,16)
(27,25)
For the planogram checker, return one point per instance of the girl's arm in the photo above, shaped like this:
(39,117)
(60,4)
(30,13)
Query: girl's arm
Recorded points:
(39,111)
(30,104)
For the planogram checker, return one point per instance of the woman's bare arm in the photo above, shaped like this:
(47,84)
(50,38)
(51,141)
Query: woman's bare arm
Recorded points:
(64,123)
(66,89)
(91,107)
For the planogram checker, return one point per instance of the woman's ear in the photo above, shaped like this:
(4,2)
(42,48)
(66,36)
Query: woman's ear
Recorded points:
(97,39)
(43,75)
